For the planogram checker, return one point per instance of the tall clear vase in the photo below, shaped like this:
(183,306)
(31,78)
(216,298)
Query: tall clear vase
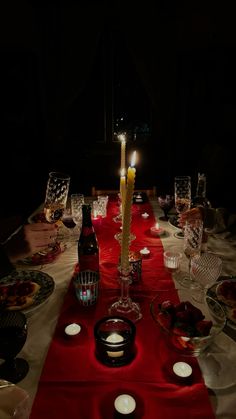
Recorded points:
(125,306)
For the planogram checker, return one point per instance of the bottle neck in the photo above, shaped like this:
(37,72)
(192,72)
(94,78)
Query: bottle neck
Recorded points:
(86,216)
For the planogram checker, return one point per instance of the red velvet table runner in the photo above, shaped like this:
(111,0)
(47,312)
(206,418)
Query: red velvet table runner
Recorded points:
(74,384)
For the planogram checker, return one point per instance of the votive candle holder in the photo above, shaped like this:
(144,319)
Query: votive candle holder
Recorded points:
(115,340)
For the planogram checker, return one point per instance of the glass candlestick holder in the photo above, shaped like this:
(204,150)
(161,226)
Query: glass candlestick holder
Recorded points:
(125,306)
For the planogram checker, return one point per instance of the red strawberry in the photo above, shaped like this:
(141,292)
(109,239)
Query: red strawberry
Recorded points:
(167,306)
(180,307)
(183,316)
(195,312)
(204,327)
(180,330)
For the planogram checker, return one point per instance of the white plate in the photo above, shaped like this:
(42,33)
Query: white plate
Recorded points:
(172,222)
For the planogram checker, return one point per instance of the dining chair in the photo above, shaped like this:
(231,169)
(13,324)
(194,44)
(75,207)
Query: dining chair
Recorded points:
(151,192)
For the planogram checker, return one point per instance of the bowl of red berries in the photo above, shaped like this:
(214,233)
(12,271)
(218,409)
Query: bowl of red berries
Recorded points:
(189,327)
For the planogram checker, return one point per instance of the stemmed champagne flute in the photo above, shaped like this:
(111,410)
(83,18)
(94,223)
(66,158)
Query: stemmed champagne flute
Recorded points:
(56,196)
(182,188)
(193,231)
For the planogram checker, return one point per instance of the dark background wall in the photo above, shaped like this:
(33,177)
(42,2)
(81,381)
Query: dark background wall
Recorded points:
(52,115)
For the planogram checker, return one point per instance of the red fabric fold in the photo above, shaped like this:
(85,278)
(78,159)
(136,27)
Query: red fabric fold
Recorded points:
(75,384)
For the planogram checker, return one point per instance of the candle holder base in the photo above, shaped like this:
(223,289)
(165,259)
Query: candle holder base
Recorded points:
(118,218)
(118,237)
(128,309)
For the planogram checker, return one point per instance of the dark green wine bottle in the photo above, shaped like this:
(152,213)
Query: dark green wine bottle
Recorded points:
(88,249)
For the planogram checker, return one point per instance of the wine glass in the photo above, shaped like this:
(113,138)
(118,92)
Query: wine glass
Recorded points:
(67,218)
(193,231)
(56,196)
(205,269)
(166,203)
(13,334)
(69,230)
(182,187)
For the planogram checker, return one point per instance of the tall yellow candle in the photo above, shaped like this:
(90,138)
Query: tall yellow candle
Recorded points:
(127,215)
(122,155)
(122,190)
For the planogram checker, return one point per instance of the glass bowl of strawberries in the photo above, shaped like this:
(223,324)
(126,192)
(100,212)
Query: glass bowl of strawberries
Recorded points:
(189,327)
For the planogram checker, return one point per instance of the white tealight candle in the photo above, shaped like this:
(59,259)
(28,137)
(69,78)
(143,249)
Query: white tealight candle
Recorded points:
(182,369)
(125,404)
(115,338)
(72,329)
(157,230)
(145,251)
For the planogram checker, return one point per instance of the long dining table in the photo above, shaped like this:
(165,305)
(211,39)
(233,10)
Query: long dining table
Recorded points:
(66,380)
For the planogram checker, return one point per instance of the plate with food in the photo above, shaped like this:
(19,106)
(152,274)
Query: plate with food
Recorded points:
(25,290)
(173,221)
(224,290)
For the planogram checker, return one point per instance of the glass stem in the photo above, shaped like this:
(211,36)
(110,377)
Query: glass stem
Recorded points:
(189,265)
(124,288)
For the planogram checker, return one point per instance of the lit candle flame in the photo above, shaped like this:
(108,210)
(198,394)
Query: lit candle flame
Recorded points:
(122,137)
(133,159)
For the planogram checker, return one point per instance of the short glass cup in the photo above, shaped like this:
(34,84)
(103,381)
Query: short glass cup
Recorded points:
(172,260)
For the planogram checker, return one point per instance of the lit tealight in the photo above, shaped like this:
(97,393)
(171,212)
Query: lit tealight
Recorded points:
(125,404)
(115,338)
(145,252)
(72,329)
(157,230)
(182,369)
(145,215)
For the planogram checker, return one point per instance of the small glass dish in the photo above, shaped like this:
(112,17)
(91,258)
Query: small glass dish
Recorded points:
(187,328)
